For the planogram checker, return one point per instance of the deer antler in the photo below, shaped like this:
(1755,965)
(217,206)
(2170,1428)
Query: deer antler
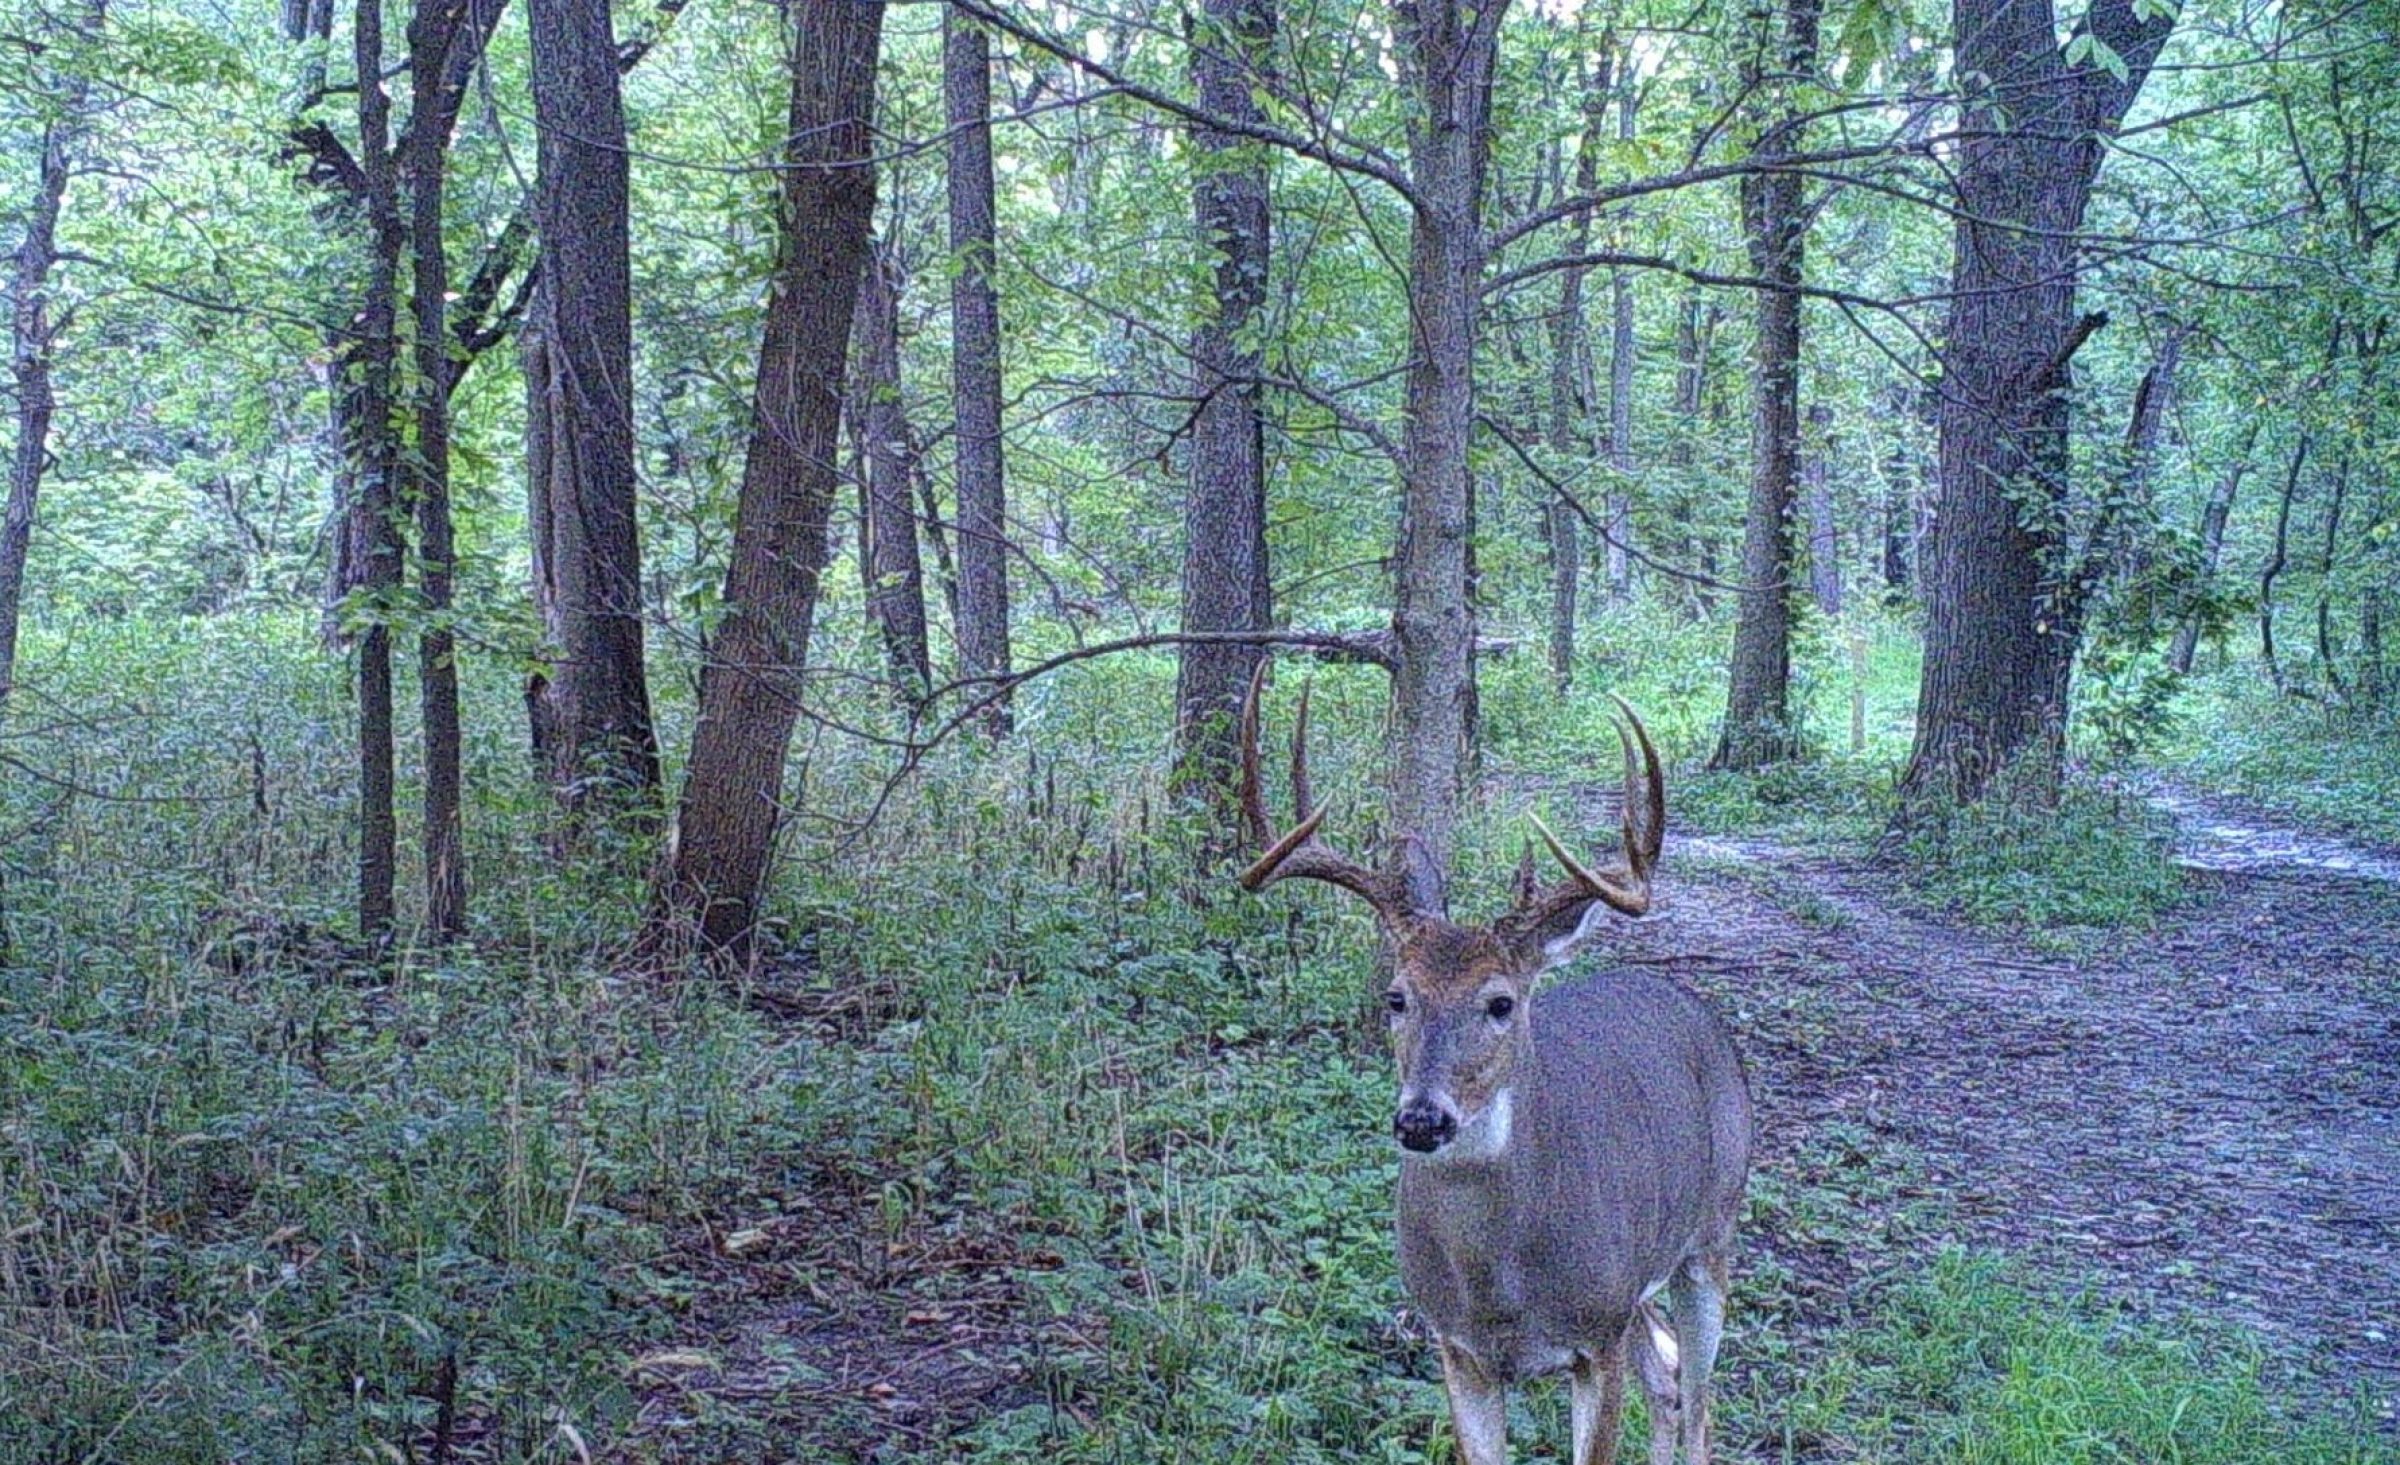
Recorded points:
(1299,854)
(1627,887)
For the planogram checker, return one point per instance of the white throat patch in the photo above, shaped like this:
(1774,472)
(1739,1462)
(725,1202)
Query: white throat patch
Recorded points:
(1484,1137)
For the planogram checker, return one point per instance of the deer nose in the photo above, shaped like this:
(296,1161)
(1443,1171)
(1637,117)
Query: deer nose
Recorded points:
(1424,1126)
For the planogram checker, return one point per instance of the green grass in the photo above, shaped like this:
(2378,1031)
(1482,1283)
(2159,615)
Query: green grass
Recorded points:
(252,1195)
(2335,769)
(2095,858)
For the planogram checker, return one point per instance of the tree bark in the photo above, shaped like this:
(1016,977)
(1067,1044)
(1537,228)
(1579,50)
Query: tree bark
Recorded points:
(1621,349)
(1448,57)
(1571,381)
(1225,570)
(1695,334)
(374,456)
(1758,724)
(983,631)
(32,334)
(894,573)
(2213,516)
(443,37)
(593,699)
(1824,530)
(2276,559)
(751,687)
(1998,655)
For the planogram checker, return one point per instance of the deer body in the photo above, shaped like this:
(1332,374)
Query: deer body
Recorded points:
(1624,1162)
(1573,1167)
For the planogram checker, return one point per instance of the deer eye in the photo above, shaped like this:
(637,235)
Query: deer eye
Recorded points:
(1500,1007)
(1396,1000)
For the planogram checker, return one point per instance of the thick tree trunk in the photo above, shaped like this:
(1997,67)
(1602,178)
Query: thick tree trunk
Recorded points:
(1758,724)
(594,700)
(752,685)
(1225,572)
(1998,652)
(983,632)
(888,559)
(1449,53)
(2213,515)
(31,336)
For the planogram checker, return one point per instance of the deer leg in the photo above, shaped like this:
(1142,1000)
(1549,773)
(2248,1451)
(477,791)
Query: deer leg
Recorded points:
(1478,1408)
(1598,1403)
(1698,1303)
(1654,1356)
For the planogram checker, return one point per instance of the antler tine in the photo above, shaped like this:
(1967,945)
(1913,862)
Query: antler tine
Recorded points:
(1626,889)
(1298,855)
(1254,798)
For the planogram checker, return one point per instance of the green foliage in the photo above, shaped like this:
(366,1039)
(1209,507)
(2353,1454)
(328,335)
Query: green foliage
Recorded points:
(2092,858)
(2331,766)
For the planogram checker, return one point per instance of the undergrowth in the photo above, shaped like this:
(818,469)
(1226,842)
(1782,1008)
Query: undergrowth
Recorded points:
(2331,766)
(260,1200)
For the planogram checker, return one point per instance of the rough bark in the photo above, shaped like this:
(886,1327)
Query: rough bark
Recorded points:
(1225,570)
(1998,657)
(1758,725)
(888,559)
(32,334)
(592,703)
(374,455)
(983,632)
(442,39)
(2213,515)
(751,687)
(1448,54)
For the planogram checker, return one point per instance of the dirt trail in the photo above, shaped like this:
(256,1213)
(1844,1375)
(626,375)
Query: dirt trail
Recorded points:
(2201,1118)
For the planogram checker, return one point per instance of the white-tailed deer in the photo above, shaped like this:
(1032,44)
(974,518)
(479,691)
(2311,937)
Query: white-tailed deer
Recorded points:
(1573,1165)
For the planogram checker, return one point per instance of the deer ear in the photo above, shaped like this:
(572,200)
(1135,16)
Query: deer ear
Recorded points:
(1559,938)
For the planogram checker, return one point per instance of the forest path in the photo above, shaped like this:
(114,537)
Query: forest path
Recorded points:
(2202,1118)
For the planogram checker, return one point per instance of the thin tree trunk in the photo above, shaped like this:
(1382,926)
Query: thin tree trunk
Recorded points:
(2273,569)
(2325,562)
(1448,57)
(594,698)
(32,335)
(1225,570)
(1824,532)
(1758,723)
(1620,384)
(2213,515)
(1571,381)
(437,79)
(374,454)
(983,630)
(2000,647)
(751,687)
(1693,339)
(895,577)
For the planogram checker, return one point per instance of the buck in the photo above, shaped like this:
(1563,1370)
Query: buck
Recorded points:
(1572,1166)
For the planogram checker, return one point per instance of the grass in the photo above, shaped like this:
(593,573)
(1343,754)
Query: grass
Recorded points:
(258,1202)
(2333,768)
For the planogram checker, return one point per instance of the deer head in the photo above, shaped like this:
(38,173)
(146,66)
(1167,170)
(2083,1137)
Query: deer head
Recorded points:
(1461,995)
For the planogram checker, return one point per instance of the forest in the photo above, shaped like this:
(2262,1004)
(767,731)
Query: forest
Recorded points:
(653,658)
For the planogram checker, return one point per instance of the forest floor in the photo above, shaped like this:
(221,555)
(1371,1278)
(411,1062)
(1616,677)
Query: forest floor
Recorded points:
(2202,1118)
(2200,1121)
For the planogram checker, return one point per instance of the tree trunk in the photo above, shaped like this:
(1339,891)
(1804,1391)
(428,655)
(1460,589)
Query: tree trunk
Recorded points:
(1620,385)
(975,359)
(1900,491)
(2213,515)
(2276,559)
(1824,532)
(1225,572)
(1571,382)
(32,334)
(1448,57)
(1998,654)
(1695,333)
(1758,724)
(895,577)
(441,37)
(2326,661)
(595,696)
(752,684)
(374,455)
